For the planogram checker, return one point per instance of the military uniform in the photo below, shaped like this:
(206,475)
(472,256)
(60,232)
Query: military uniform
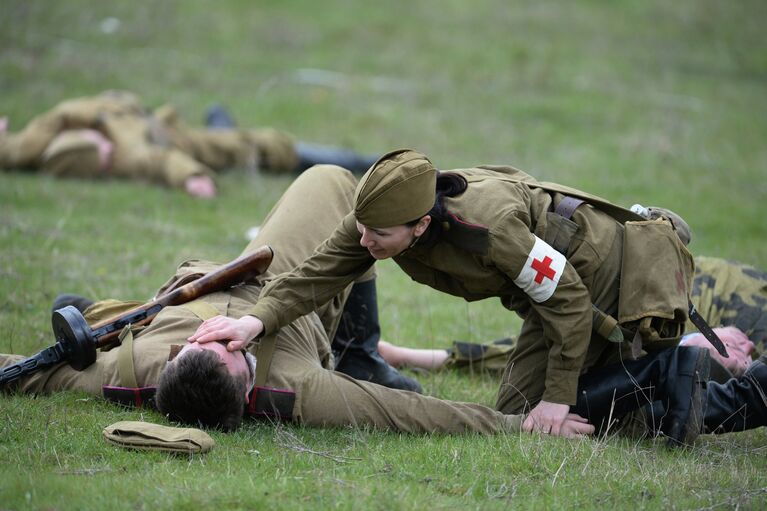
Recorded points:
(302,359)
(493,246)
(151,146)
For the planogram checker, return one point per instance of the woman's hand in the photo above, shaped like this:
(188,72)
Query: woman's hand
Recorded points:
(238,332)
(547,418)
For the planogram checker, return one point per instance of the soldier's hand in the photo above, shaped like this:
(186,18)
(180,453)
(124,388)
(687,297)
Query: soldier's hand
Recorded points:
(547,418)
(238,332)
(200,186)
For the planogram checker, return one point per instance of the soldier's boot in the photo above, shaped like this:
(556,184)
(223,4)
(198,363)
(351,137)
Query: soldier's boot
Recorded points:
(736,405)
(355,345)
(675,377)
(218,117)
(313,154)
(79,302)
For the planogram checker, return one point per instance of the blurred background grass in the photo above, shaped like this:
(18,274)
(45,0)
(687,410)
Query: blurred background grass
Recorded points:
(662,103)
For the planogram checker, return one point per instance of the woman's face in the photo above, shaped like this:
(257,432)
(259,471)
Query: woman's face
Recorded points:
(383,243)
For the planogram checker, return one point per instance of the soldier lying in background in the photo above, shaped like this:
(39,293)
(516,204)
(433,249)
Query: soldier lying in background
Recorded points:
(221,385)
(113,135)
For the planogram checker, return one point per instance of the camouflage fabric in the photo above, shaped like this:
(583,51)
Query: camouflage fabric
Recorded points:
(729,293)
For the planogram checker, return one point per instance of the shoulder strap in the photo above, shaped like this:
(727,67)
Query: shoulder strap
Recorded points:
(620,214)
(201,309)
(125,368)
(264,354)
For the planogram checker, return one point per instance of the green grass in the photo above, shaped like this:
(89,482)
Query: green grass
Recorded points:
(662,103)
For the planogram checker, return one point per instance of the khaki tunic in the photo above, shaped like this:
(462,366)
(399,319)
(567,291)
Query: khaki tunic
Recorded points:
(302,359)
(556,338)
(155,147)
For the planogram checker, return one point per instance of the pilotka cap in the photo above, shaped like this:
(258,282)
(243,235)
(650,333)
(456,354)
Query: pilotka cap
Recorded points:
(400,187)
(72,153)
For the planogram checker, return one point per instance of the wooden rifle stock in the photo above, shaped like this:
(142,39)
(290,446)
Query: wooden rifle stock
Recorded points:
(240,270)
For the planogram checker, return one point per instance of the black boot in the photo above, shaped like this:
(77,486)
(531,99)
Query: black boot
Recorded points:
(739,404)
(355,344)
(313,154)
(218,117)
(675,377)
(79,302)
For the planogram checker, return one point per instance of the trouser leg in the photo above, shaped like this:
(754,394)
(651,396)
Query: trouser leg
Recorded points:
(314,154)
(522,382)
(739,404)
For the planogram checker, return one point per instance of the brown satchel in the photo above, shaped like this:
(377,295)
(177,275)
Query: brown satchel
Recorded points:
(656,278)
(656,281)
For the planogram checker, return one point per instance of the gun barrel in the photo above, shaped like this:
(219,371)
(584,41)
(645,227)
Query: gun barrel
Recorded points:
(45,358)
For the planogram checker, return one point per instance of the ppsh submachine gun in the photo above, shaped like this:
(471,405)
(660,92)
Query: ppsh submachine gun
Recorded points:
(77,342)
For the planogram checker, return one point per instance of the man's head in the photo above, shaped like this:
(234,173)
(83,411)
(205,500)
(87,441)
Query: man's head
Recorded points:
(206,385)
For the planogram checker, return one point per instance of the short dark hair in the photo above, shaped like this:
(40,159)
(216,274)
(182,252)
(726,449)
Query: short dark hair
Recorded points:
(197,389)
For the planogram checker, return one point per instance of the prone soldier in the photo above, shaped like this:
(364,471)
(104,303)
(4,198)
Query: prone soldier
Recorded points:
(113,135)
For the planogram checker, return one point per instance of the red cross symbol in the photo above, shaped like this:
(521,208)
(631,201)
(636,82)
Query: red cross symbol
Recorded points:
(543,268)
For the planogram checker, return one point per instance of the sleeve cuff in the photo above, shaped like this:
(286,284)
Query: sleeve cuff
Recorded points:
(268,318)
(512,423)
(561,386)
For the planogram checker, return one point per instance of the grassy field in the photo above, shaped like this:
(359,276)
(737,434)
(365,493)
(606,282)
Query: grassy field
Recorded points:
(662,103)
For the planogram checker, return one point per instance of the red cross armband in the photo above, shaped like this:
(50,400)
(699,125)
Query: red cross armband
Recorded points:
(541,272)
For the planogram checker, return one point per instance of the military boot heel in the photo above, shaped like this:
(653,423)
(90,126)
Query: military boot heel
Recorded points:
(355,344)
(676,377)
(740,403)
(218,117)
